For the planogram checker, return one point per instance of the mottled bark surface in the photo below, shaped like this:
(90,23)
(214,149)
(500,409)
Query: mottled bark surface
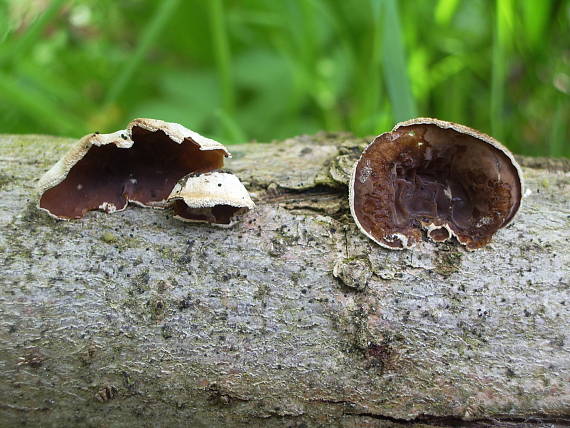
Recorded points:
(291,318)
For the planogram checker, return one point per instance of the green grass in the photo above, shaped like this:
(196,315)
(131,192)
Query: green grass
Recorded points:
(147,40)
(394,64)
(22,45)
(222,55)
(264,70)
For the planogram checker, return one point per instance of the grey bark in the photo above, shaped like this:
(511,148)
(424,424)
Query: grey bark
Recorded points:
(291,318)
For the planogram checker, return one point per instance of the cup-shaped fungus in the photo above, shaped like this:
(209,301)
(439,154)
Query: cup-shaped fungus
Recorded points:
(141,164)
(444,178)
(214,197)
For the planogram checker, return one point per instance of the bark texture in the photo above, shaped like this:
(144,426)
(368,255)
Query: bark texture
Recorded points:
(290,318)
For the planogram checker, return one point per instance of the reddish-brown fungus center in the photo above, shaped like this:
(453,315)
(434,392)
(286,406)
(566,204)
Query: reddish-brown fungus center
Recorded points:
(109,176)
(422,175)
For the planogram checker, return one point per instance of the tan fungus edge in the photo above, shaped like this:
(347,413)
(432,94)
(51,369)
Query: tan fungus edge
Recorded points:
(177,133)
(211,189)
(58,172)
(430,227)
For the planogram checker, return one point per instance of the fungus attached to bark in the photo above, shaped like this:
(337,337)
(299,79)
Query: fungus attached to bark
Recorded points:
(444,178)
(214,197)
(141,164)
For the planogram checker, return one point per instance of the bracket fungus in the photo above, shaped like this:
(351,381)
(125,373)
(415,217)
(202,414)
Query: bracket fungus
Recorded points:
(214,197)
(440,177)
(141,164)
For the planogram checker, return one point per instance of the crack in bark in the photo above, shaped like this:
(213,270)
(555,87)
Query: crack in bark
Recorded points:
(321,199)
(318,191)
(23,409)
(455,421)
(294,197)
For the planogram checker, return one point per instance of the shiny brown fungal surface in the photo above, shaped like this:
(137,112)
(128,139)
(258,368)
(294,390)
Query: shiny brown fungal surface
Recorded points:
(215,197)
(141,164)
(440,177)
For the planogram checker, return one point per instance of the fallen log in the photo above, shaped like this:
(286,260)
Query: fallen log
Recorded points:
(290,318)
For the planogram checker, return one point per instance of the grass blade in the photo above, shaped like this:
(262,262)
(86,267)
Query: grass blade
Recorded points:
(38,107)
(445,10)
(368,89)
(559,129)
(34,32)
(165,9)
(395,71)
(232,129)
(4,22)
(223,55)
(501,40)
(535,17)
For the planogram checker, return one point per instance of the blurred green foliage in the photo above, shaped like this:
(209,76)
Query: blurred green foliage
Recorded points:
(239,70)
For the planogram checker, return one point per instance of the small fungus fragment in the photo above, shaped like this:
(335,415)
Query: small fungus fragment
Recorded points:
(214,197)
(440,177)
(141,164)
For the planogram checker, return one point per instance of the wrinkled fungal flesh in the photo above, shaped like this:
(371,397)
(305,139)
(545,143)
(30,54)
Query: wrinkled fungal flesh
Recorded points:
(440,177)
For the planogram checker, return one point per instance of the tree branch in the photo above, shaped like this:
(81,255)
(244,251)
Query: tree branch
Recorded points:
(137,318)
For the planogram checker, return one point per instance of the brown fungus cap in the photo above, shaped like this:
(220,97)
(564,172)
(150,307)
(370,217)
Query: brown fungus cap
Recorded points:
(140,164)
(444,178)
(215,197)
